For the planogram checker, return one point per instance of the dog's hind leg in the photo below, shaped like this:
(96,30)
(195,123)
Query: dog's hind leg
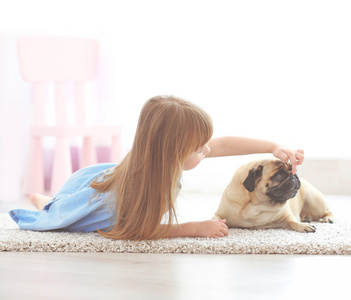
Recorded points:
(306,219)
(316,206)
(318,209)
(328,218)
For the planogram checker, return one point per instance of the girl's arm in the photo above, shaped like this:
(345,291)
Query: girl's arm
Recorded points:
(212,229)
(233,145)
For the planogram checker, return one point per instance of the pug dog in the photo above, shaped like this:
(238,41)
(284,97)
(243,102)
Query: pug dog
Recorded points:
(265,194)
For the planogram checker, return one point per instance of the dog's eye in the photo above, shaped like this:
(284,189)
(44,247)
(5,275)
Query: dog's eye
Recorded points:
(279,176)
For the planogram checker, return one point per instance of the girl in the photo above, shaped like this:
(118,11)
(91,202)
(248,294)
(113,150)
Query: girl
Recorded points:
(135,199)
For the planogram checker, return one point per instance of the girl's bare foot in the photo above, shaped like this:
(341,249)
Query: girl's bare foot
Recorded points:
(39,201)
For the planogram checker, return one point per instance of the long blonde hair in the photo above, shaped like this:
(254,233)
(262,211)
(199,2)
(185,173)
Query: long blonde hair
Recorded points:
(145,182)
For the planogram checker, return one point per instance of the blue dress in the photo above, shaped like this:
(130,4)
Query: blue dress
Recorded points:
(75,207)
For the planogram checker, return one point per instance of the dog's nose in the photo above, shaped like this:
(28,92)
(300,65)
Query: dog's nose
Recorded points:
(295,179)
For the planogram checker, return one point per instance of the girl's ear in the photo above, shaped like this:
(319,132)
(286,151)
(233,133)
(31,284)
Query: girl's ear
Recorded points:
(250,181)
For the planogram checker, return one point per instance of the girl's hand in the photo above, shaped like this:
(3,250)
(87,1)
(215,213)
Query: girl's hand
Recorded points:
(296,157)
(212,229)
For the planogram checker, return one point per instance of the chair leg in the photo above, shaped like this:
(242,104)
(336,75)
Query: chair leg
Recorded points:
(62,167)
(116,149)
(34,177)
(89,155)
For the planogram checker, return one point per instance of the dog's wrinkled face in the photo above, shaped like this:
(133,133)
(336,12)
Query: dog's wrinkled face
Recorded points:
(272,181)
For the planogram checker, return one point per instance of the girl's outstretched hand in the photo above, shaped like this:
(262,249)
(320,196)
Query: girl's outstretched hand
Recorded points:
(212,229)
(295,157)
(209,228)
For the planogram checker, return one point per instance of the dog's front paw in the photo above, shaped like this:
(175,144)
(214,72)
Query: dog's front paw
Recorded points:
(303,227)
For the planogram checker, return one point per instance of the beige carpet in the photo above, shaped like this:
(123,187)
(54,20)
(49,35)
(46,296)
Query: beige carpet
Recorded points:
(329,239)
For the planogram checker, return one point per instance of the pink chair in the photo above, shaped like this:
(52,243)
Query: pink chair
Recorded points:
(60,60)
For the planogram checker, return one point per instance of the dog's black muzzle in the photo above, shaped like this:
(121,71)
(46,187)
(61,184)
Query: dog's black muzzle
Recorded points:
(285,190)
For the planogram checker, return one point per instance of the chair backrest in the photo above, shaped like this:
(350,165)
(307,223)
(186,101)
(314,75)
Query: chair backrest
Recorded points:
(58,59)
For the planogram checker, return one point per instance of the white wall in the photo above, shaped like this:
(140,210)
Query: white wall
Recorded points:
(278,70)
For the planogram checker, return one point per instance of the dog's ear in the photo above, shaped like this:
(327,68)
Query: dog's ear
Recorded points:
(250,180)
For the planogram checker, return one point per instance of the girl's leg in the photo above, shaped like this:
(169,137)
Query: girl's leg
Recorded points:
(39,201)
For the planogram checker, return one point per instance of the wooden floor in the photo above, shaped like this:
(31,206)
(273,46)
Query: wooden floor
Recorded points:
(172,276)
(175,276)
